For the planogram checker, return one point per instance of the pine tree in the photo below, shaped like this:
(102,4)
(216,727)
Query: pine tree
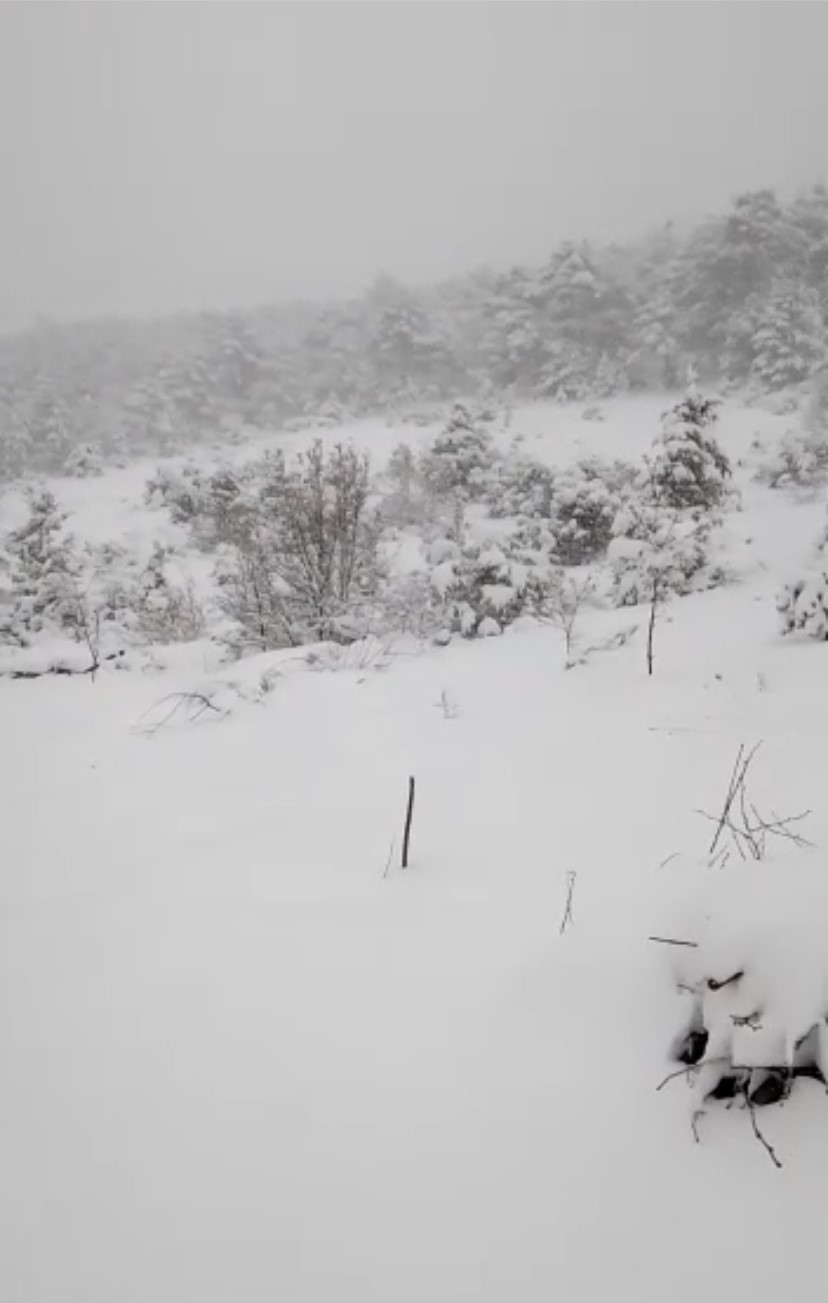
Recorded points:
(789,339)
(688,471)
(42,566)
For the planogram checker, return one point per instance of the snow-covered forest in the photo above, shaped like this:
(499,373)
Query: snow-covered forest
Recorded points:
(742,296)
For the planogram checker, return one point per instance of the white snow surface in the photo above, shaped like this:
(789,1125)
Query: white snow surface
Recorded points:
(247,1057)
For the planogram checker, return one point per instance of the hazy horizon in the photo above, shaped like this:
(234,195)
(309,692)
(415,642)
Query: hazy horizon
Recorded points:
(170,157)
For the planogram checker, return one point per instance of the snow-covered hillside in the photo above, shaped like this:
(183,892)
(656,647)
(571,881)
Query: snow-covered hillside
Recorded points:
(246,1056)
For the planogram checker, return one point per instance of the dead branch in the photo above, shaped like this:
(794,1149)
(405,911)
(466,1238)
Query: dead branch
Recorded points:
(690,1069)
(674,941)
(567,914)
(388,861)
(763,1140)
(194,705)
(748,829)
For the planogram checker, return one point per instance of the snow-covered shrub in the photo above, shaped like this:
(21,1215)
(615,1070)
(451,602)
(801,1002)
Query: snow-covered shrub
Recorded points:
(483,588)
(593,412)
(405,503)
(583,512)
(660,551)
(522,489)
(800,462)
(688,470)
(461,460)
(803,604)
(84,461)
(578,505)
(308,570)
(180,492)
(165,611)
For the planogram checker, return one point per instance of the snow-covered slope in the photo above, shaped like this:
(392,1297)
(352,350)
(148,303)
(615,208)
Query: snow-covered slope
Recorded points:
(246,1057)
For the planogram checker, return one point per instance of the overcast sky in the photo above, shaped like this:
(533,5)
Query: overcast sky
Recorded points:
(159,156)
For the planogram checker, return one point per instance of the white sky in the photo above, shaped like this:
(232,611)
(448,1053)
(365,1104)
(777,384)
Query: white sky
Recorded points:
(159,156)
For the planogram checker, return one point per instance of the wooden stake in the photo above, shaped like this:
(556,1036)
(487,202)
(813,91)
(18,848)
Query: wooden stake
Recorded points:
(409,815)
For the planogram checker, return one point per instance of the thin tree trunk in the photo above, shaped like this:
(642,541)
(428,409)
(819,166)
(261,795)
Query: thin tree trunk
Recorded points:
(409,815)
(651,628)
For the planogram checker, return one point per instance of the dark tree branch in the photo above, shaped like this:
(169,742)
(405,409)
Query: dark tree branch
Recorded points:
(409,815)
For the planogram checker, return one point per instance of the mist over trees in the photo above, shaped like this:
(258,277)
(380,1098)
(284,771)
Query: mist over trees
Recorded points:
(743,298)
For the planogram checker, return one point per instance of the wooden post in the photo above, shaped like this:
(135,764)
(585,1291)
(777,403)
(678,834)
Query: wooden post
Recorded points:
(409,815)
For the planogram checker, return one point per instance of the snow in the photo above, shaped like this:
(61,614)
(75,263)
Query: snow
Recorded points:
(243,1060)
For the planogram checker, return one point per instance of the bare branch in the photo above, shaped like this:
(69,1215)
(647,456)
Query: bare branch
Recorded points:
(771,1152)
(674,941)
(567,914)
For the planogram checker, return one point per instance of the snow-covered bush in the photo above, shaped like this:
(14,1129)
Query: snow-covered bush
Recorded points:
(84,461)
(405,503)
(523,488)
(483,588)
(803,604)
(165,611)
(308,568)
(688,470)
(661,552)
(578,505)
(462,460)
(800,462)
(583,512)
(180,492)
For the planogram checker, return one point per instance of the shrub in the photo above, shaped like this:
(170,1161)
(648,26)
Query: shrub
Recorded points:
(584,508)
(688,469)
(484,588)
(656,547)
(523,488)
(801,461)
(84,461)
(461,460)
(305,569)
(181,493)
(803,604)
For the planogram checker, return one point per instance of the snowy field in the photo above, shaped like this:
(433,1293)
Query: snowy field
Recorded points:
(247,1058)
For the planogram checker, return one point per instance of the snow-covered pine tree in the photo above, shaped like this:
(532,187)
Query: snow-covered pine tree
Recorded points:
(41,568)
(688,470)
(789,338)
(460,460)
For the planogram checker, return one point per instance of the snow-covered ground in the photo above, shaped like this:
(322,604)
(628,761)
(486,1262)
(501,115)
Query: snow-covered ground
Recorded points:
(247,1057)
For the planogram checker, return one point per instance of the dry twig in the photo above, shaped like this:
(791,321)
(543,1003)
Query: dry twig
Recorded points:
(567,914)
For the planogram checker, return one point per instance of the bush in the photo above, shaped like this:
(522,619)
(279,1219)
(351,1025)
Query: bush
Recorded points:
(165,612)
(688,470)
(655,547)
(800,462)
(461,460)
(84,461)
(585,503)
(803,604)
(181,493)
(523,489)
(483,588)
(308,567)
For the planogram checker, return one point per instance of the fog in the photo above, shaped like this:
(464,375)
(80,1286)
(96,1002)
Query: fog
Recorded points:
(171,156)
